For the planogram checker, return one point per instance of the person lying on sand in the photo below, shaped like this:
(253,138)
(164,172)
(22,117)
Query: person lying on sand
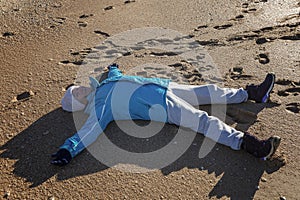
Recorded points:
(164,101)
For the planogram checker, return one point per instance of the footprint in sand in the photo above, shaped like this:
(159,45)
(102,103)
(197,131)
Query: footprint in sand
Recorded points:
(163,54)
(238,17)
(249,10)
(101,33)
(129,1)
(108,8)
(291,37)
(180,72)
(82,24)
(225,26)
(200,27)
(82,53)
(249,7)
(79,57)
(85,16)
(59,20)
(263,58)
(245,5)
(287,82)
(294,90)
(289,91)
(211,42)
(75,62)
(293,107)
(237,73)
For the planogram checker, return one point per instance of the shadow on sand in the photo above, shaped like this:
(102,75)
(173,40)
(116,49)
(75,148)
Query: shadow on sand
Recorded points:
(240,171)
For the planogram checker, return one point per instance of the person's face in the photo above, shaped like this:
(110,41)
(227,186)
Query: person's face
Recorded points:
(81,93)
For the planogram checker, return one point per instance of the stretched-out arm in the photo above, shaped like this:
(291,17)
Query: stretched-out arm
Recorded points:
(79,141)
(90,131)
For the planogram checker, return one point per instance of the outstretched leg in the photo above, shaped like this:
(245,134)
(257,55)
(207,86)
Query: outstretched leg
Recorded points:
(183,114)
(213,94)
(208,94)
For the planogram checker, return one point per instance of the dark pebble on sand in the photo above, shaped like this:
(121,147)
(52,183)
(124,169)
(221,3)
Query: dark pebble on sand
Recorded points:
(25,95)
(8,34)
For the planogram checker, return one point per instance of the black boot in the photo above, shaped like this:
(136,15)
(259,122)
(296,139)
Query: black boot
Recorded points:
(260,148)
(261,93)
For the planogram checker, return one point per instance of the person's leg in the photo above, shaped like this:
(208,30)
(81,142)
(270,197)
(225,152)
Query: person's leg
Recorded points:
(183,114)
(208,94)
(212,94)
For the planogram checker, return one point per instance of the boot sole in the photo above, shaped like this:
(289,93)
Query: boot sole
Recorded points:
(275,142)
(267,95)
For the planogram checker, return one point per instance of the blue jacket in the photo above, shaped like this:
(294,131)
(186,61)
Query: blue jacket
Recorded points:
(119,97)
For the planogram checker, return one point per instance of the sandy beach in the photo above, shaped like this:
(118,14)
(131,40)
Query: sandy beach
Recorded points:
(47,45)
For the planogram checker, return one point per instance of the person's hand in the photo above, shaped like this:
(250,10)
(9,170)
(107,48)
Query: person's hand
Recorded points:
(113,65)
(61,158)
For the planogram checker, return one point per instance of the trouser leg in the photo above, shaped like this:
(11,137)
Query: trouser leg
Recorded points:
(183,114)
(208,94)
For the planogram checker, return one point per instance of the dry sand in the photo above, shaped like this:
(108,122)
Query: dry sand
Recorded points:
(43,43)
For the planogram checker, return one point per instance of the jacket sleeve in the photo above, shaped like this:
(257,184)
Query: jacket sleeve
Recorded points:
(84,137)
(114,71)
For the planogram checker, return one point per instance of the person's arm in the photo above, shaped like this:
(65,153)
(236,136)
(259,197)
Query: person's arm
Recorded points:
(79,141)
(114,71)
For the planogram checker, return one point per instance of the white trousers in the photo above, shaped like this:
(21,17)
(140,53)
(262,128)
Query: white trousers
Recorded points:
(181,99)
